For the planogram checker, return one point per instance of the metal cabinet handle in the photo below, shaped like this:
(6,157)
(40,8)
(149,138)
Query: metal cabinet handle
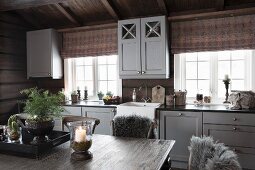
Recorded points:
(180,114)
(143,72)
(138,72)
(236,150)
(234,128)
(234,119)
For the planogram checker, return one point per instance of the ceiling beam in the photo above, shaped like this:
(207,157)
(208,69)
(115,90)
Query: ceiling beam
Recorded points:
(213,14)
(163,7)
(91,27)
(111,9)
(68,15)
(9,5)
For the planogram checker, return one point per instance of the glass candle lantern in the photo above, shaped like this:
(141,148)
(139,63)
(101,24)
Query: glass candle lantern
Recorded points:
(81,139)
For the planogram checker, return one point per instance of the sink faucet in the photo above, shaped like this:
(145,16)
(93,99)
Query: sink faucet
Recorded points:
(145,98)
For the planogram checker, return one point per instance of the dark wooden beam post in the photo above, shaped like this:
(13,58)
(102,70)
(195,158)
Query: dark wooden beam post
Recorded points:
(219,4)
(32,20)
(111,9)
(163,7)
(8,5)
(68,15)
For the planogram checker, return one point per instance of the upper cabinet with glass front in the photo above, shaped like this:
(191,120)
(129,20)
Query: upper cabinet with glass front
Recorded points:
(143,48)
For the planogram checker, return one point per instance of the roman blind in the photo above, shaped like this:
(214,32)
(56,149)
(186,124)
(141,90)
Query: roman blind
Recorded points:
(213,34)
(90,41)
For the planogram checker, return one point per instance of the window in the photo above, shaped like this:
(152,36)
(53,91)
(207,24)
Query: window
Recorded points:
(96,73)
(205,71)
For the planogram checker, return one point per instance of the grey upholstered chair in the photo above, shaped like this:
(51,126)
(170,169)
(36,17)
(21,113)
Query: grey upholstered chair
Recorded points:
(134,126)
(207,155)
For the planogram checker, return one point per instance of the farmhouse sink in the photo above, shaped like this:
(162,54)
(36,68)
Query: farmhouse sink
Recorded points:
(138,108)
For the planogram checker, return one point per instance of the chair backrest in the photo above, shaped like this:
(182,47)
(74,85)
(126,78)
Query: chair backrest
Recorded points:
(207,155)
(68,119)
(134,126)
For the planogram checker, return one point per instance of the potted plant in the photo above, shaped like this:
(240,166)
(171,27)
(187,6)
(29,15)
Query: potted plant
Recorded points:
(41,107)
(13,127)
(109,93)
(74,97)
(100,95)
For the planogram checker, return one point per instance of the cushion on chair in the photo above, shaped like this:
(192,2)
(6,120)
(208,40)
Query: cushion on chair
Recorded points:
(131,126)
(207,155)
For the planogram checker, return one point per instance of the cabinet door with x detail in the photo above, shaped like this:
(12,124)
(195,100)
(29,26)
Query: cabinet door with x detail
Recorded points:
(129,47)
(153,45)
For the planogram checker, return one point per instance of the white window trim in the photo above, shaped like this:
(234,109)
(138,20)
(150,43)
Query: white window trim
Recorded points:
(180,74)
(70,83)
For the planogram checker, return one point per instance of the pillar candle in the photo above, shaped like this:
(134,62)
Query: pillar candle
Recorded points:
(80,135)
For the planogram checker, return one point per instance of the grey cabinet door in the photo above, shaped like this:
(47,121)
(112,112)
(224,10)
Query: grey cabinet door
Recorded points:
(239,138)
(153,45)
(129,47)
(180,126)
(105,115)
(39,53)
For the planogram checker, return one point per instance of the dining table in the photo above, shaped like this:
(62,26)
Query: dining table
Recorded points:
(109,153)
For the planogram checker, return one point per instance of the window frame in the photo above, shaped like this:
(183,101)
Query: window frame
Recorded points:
(70,77)
(180,74)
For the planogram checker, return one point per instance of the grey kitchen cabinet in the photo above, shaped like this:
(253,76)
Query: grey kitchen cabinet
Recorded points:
(68,110)
(236,130)
(43,54)
(180,126)
(105,115)
(143,48)
(129,47)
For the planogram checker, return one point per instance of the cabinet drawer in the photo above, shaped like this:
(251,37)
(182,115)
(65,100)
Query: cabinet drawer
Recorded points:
(246,157)
(229,118)
(69,110)
(234,136)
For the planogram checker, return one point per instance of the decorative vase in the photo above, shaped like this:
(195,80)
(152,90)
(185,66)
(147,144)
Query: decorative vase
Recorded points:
(39,130)
(81,139)
(100,96)
(74,98)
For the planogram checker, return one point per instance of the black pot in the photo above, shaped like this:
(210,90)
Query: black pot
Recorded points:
(39,130)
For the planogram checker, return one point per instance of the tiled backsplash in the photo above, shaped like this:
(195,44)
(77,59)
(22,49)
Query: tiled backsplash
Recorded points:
(128,85)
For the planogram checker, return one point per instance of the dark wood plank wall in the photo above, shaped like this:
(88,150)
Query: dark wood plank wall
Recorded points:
(12,64)
(129,85)
(50,84)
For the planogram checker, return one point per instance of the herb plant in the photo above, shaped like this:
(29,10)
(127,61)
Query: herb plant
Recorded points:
(42,105)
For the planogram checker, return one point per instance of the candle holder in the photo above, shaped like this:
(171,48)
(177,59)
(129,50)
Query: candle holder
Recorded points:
(85,94)
(226,82)
(81,140)
(79,94)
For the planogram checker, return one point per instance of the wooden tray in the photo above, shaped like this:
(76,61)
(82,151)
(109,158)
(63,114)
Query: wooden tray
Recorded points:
(25,149)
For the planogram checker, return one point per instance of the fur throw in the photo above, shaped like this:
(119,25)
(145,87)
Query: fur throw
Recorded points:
(207,155)
(242,99)
(131,126)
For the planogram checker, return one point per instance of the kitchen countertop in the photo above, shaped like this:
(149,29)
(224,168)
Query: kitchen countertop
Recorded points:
(88,103)
(204,108)
(187,107)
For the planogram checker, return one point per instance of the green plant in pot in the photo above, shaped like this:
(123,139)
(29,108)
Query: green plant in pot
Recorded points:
(14,130)
(100,95)
(41,107)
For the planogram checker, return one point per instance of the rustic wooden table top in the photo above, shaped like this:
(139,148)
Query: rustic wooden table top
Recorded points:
(109,152)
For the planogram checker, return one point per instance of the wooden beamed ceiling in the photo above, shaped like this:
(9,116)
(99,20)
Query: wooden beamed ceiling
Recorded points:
(75,13)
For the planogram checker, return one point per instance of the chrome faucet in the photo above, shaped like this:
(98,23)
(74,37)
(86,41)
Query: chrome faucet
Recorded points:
(145,98)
